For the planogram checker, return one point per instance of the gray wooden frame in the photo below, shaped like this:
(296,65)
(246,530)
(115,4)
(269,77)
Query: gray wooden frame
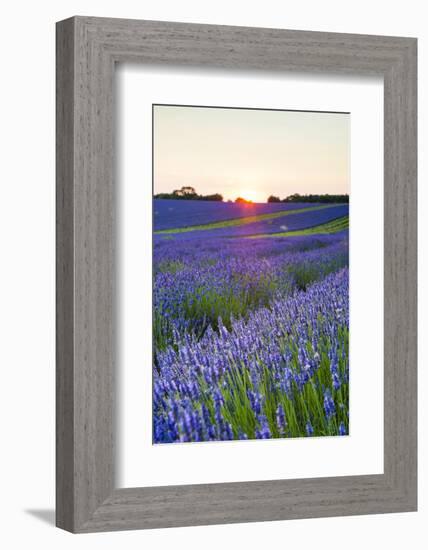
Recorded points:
(87,50)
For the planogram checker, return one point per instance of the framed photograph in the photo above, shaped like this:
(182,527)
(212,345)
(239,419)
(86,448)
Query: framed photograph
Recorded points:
(236,274)
(245,344)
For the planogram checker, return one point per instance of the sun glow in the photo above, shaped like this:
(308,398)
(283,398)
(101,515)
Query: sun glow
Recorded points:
(251,195)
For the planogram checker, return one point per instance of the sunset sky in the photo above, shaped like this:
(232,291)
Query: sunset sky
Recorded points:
(250,153)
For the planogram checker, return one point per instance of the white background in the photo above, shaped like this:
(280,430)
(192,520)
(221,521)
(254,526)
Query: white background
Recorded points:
(360,453)
(27,273)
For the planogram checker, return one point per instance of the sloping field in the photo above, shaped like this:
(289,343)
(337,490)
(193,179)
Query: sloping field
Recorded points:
(173,214)
(263,224)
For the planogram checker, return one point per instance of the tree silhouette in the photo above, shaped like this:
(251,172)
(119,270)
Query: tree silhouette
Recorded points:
(188,193)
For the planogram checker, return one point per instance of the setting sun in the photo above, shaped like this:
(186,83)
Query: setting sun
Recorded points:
(253,196)
(249,195)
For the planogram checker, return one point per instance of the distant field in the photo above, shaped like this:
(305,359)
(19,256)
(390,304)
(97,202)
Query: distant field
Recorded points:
(280,222)
(170,214)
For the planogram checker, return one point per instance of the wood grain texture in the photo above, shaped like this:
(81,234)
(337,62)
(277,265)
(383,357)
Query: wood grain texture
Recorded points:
(87,50)
(64,276)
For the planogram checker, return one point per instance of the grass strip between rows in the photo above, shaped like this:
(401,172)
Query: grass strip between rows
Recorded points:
(333,226)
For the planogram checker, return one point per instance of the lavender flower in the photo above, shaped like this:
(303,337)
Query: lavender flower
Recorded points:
(263,432)
(280,419)
(256,400)
(329,407)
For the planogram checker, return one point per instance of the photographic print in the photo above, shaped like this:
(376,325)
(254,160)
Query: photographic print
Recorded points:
(250,273)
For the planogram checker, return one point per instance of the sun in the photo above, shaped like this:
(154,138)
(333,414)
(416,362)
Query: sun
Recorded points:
(252,195)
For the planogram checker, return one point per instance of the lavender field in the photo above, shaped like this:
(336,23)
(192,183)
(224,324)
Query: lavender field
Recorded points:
(251,321)
(173,214)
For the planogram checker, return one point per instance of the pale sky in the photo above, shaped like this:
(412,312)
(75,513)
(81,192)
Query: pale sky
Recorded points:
(250,153)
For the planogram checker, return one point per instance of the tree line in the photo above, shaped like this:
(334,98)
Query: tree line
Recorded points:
(189,194)
(310,198)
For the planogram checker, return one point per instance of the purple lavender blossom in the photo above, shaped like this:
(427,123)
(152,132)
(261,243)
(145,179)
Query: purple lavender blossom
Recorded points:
(309,428)
(263,432)
(342,429)
(280,419)
(329,407)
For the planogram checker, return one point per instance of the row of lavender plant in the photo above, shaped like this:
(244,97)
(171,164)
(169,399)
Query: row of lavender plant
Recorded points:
(195,286)
(281,373)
